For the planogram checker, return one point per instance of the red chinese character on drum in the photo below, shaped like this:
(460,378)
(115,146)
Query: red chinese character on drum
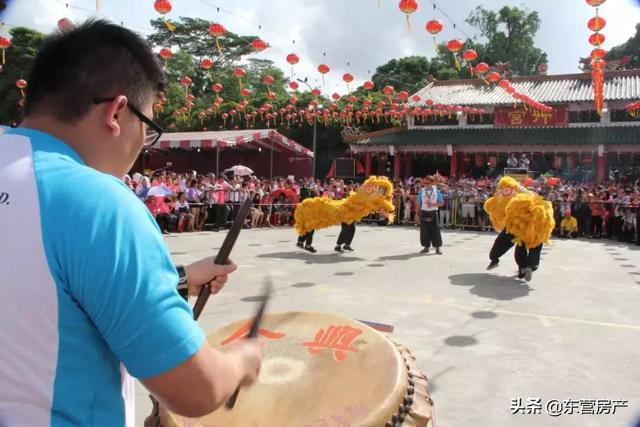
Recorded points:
(337,338)
(243,332)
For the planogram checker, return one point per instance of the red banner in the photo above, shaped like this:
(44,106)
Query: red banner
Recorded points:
(510,117)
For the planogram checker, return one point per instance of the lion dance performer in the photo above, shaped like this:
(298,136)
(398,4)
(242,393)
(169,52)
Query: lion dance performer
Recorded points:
(522,218)
(321,212)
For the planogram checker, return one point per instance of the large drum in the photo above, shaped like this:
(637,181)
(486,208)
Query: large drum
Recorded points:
(322,370)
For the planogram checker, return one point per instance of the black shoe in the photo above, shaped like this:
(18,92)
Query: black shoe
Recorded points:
(165,232)
(338,248)
(521,273)
(493,264)
(438,251)
(424,251)
(348,248)
(300,245)
(311,249)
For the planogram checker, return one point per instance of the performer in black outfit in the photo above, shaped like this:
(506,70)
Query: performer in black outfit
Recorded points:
(347,231)
(527,260)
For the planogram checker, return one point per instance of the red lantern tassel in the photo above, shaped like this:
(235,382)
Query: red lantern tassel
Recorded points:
(97,4)
(456,61)
(218,46)
(169,25)
(435,44)
(408,23)
(4,58)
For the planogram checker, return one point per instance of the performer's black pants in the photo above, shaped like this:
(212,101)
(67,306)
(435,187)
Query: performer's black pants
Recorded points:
(347,231)
(524,258)
(429,229)
(306,239)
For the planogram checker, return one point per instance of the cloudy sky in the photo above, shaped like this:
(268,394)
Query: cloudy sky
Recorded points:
(352,36)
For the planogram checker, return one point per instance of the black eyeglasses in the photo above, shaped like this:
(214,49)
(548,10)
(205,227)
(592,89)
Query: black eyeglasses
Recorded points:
(153,132)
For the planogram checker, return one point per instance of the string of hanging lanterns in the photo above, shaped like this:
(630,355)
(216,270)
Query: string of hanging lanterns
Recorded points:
(598,64)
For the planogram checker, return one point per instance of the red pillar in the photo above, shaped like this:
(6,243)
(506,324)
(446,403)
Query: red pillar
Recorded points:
(602,166)
(396,166)
(408,163)
(367,164)
(453,165)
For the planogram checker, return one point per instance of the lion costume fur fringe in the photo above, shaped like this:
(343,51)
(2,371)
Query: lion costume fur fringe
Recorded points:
(522,213)
(376,193)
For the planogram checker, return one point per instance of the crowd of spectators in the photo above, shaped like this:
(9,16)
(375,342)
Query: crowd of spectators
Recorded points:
(189,201)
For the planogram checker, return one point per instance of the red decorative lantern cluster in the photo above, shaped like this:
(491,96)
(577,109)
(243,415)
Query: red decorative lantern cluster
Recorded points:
(217,31)
(596,24)
(633,108)
(5,44)
(206,64)
(469,56)
(408,7)
(518,97)
(165,54)
(368,85)
(163,7)
(294,85)
(323,69)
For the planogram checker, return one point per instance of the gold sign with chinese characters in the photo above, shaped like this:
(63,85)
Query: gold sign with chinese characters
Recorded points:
(514,117)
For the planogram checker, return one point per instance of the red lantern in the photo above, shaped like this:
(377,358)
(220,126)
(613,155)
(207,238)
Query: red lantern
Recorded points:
(162,6)
(293,100)
(504,83)
(596,23)
(268,80)
(388,90)
(598,53)
(259,45)
(470,55)
(428,102)
(403,96)
(527,182)
(165,53)
(186,81)
(293,59)
(335,96)
(294,85)
(596,39)
(5,44)
(598,64)
(415,98)
(352,99)
(245,93)
(348,78)
(434,27)
(206,64)
(482,68)
(217,88)
(217,31)
(408,7)
(494,77)
(316,92)
(553,181)
(21,84)
(239,72)
(595,3)
(369,85)
(510,90)
(323,69)
(454,46)
(65,24)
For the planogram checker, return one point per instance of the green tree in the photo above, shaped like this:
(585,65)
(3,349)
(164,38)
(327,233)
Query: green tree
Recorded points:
(626,56)
(20,56)
(509,35)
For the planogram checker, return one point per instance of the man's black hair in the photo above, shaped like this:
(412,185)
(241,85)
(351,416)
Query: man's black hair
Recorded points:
(95,59)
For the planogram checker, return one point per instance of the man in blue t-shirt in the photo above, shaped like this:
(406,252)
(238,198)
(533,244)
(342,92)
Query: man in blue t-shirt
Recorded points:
(89,292)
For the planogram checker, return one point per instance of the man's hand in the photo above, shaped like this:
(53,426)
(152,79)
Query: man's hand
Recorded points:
(247,355)
(205,272)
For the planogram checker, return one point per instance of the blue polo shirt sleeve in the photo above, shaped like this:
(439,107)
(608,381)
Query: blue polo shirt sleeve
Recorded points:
(439,199)
(419,199)
(121,274)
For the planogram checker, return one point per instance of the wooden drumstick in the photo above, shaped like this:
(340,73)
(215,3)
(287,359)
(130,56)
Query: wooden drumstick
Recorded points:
(253,332)
(223,254)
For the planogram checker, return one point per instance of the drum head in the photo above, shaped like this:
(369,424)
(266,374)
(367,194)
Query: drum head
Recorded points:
(319,370)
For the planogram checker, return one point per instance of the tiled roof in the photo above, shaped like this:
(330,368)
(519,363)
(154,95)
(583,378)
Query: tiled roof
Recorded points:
(619,85)
(509,136)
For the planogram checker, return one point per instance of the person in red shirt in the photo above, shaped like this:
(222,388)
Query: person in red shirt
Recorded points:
(162,213)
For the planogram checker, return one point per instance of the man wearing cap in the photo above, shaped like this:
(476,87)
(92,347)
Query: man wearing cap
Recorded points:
(429,200)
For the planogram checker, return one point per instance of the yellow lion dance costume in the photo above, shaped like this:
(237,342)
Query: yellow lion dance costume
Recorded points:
(320,212)
(522,213)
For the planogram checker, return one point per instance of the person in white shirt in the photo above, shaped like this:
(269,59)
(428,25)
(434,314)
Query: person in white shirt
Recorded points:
(182,210)
(429,200)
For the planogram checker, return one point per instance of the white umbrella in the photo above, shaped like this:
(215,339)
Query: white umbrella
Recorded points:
(240,170)
(159,191)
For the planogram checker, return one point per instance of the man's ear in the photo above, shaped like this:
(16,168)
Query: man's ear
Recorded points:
(113,112)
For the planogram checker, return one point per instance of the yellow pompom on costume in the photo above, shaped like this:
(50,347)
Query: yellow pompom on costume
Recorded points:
(524,214)
(320,212)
